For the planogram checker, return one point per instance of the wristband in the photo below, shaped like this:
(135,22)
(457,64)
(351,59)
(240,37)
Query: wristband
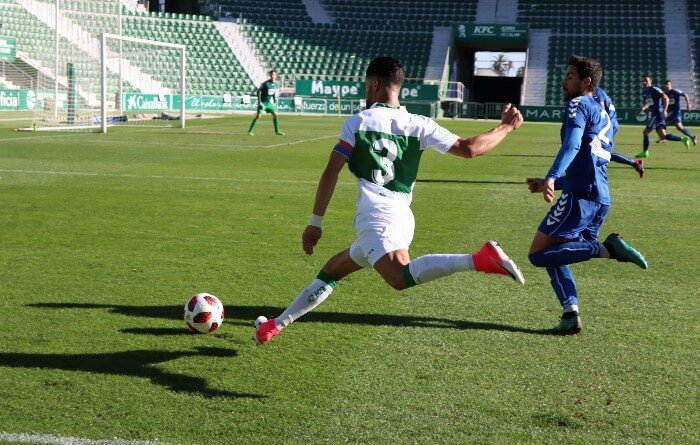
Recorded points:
(315,220)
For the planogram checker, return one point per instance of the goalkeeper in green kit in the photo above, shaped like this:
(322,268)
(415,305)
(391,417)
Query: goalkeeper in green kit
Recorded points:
(267,99)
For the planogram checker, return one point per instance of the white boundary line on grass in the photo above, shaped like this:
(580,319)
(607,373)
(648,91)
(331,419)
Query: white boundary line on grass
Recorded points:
(61,440)
(94,141)
(185,178)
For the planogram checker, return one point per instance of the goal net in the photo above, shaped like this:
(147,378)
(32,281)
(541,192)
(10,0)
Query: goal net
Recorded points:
(152,87)
(90,76)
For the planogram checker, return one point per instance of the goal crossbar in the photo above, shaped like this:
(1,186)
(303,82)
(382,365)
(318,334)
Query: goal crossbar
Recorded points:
(104,68)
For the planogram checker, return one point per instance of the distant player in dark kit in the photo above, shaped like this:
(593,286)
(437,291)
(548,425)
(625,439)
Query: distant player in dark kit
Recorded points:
(657,102)
(675,117)
(267,101)
(569,232)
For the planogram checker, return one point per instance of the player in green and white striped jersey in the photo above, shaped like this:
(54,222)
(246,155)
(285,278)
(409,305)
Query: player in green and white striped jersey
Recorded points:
(382,146)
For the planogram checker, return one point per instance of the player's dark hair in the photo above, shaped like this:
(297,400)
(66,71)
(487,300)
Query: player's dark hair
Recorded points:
(387,69)
(645,75)
(587,68)
(667,81)
(271,71)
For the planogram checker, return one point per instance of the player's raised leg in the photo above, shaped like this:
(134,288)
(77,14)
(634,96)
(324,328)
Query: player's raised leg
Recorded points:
(401,273)
(637,165)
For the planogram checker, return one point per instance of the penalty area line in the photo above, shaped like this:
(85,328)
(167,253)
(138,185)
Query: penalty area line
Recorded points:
(64,440)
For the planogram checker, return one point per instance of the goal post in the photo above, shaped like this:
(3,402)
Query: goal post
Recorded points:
(149,89)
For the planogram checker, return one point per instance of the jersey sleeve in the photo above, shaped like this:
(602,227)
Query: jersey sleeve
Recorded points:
(574,124)
(436,137)
(346,141)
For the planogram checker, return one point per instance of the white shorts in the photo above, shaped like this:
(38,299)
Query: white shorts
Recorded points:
(381,233)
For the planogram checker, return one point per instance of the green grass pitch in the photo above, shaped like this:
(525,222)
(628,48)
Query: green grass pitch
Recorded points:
(104,237)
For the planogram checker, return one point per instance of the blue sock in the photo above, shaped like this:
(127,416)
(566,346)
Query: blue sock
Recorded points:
(688,133)
(617,157)
(565,253)
(564,285)
(672,137)
(646,142)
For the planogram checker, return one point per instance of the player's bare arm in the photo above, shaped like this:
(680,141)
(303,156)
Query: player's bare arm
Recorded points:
(511,119)
(687,102)
(324,193)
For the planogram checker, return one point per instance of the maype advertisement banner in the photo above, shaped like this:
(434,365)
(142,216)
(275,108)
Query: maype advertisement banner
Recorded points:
(356,90)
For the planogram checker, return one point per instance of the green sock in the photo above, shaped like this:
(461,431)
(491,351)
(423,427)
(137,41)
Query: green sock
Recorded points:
(252,125)
(277,128)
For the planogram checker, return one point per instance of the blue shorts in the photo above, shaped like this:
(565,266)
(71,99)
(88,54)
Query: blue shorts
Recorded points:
(674,118)
(656,122)
(574,218)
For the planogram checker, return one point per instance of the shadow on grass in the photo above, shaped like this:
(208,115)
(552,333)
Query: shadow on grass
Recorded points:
(130,363)
(246,315)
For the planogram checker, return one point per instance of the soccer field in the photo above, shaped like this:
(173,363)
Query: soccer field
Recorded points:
(104,238)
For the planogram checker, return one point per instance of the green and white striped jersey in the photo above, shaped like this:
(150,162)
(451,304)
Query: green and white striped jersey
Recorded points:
(384,145)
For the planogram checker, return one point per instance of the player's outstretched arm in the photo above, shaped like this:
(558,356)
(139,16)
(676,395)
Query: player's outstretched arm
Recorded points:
(324,193)
(511,119)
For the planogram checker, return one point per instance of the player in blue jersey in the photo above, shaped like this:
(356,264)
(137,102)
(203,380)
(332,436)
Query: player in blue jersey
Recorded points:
(674,109)
(657,102)
(569,232)
(604,100)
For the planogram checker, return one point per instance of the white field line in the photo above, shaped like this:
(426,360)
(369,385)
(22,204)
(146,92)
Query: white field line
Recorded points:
(448,184)
(80,139)
(61,440)
(445,185)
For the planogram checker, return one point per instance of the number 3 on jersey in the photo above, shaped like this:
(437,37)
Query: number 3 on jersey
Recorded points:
(379,146)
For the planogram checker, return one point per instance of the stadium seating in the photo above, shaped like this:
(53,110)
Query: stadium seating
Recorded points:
(212,67)
(288,40)
(336,52)
(614,34)
(294,45)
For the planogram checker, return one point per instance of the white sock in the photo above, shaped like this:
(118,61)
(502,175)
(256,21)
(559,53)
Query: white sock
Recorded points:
(306,301)
(603,251)
(571,308)
(431,267)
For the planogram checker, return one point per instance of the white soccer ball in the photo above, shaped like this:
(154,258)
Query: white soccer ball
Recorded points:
(260,320)
(204,313)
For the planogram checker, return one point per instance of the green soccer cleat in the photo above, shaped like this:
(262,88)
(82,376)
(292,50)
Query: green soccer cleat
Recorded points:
(686,142)
(623,252)
(250,133)
(569,324)
(642,154)
(279,133)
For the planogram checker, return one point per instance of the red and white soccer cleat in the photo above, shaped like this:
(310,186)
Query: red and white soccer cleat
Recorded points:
(491,259)
(264,330)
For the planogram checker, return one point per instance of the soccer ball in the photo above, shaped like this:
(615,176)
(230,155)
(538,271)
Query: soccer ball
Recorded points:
(204,313)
